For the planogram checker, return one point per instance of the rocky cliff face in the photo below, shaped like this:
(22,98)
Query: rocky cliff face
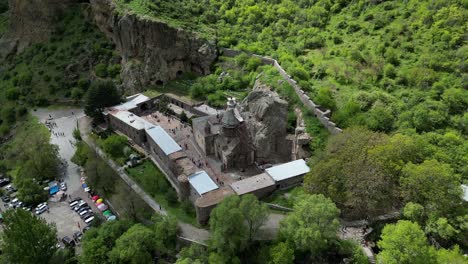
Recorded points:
(266,116)
(31,21)
(152,52)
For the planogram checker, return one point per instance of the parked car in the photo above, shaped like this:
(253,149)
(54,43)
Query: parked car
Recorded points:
(63,186)
(41,208)
(5,198)
(80,205)
(77,235)
(75,203)
(89,220)
(84,208)
(68,241)
(4,182)
(86,228)
(14,202)
(10,189)
(87,215)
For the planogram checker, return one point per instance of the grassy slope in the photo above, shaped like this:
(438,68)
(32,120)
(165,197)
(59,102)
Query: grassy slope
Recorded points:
(151,179)
(56,71)
(386,57)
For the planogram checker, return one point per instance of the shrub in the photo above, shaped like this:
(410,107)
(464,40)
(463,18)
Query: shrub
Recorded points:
(101,70)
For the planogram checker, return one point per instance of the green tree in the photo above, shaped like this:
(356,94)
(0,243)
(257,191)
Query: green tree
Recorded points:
(453,256)
(228,234)
(26,238)
(101,94)
(98,242)
(431,184)
(30,192)
(354,174)
(414,212)
(404,242)
(114,145)
(165,230)
(255,214)
(313,224)
(282,253)
(325,98)
(135,246)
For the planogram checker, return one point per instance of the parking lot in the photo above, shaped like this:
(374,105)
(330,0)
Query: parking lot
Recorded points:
(67,221)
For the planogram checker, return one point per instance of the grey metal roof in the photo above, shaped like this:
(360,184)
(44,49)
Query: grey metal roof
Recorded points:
(132,120)
(132,102)
(163,140)
(288,170)
(252,184)
(202,183)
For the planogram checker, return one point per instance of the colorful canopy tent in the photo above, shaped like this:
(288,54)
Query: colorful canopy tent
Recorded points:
(102,207)
(53,190)
(84,185)
(95,198)
(98,203)
(99,200)
(107,213)
(111,218)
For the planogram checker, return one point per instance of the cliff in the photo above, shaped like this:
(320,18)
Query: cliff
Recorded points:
(152,52)
(266,116)
(31,21)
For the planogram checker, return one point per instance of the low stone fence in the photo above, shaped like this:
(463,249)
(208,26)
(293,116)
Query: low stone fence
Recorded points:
(323,115)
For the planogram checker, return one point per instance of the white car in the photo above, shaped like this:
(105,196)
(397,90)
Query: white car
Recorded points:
(63,186)
(89,220)
(41,208)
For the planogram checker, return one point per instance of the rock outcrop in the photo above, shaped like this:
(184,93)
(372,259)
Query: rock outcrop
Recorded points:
(31,21)
(266,116)
(152,51)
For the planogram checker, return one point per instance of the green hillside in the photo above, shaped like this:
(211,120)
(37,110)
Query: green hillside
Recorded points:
(390,66)
(56,72)
(383,64)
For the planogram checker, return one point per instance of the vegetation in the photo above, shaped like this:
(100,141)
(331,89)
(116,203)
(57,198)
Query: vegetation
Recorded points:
(125,242)
(26,238)
(104,180)
(405,242)
(115,145)
(369,173)
(30,160)
(101,94)
(154,183)
(313,225)
(57,71)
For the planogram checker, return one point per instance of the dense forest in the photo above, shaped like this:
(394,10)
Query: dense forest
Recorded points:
(392,72)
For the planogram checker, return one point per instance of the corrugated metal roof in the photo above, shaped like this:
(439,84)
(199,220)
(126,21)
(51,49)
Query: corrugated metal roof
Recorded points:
(164,141)
(288,170)
(132,102)
(202,183)
(132,119)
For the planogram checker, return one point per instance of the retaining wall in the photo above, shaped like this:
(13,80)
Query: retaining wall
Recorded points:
(323,115)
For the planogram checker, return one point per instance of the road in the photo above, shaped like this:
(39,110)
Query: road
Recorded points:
(66,220)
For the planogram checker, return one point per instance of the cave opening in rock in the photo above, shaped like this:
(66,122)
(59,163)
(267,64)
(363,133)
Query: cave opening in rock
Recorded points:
(159,83)
(179,73)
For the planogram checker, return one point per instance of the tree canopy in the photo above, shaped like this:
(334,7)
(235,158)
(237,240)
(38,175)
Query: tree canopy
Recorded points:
(101,94)
(26,238)
(313,225)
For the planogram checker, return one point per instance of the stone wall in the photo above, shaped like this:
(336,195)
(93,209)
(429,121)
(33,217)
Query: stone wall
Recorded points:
(323,115)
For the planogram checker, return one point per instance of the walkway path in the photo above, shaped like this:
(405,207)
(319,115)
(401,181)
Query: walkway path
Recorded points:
(188,231)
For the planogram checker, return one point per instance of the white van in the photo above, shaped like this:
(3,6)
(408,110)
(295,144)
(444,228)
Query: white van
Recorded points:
(41,208)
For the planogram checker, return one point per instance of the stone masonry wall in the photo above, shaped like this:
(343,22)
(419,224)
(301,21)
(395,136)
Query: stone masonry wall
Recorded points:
(323,116)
